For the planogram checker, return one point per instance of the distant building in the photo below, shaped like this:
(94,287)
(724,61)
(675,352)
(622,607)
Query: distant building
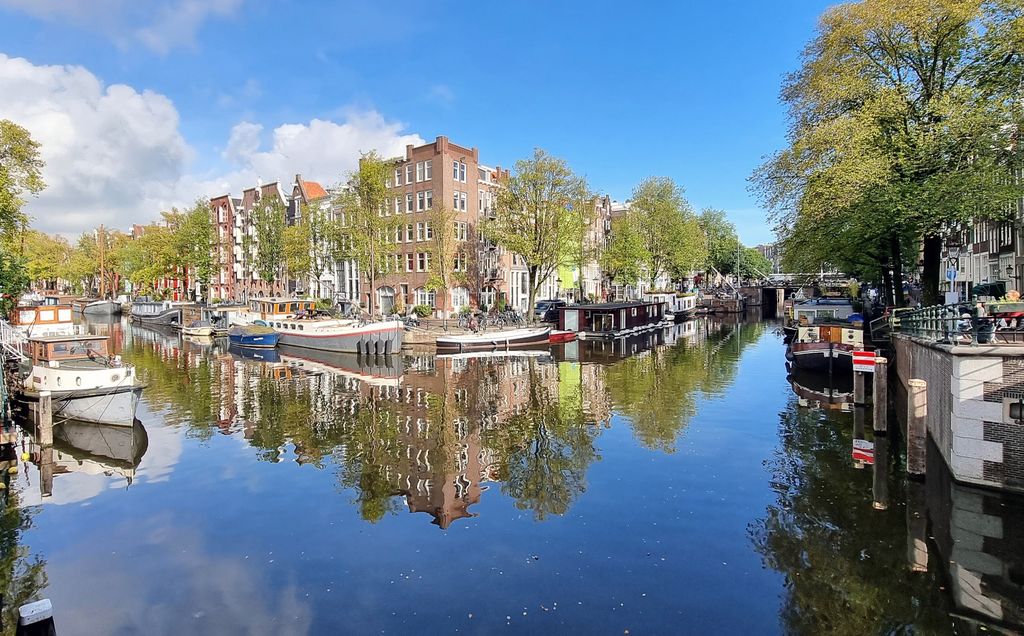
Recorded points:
(773,253)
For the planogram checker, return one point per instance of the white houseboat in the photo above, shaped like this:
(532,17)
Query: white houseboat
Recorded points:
(43,320)
(85,382)
(678,307)
(157,312)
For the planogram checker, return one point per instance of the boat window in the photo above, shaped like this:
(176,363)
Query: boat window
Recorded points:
(293,307)
(300,328)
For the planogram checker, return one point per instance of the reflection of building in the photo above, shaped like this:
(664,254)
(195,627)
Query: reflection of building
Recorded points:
(980,539)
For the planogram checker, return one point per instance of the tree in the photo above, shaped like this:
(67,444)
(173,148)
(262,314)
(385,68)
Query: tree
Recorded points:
(754,264)
(364,232)
(20,175)
(146,258)
(625,251)
(672,240)
(533,216)
(46,257)
(904,118)
(445,251)
(722,241)
(295,249)
(318,220)
(583,249)
(266,246)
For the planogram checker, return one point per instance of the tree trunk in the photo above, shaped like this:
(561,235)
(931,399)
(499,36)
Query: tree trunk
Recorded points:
(887,290)
(533,284)
(931,273)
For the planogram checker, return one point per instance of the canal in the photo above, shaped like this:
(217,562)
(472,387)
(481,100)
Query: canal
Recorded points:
(673,484)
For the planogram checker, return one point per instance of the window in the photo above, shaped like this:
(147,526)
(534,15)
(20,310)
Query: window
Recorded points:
(419,231)
(420,201)
(424,297)
(462,172)
(398,234)
(387,182)
(419,171)
(427,229)
(408,233)
(426,267)
(462,201)
(460,262)
(461,230)
(455,200)
(480,200)
(455,170)
(398,176)
(421,261)
(408,202)
(398,205)
(408,174)
(398,263)
(430,199)
(428,172)
(409,258)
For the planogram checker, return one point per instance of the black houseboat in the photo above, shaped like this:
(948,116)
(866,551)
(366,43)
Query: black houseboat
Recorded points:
(611,320)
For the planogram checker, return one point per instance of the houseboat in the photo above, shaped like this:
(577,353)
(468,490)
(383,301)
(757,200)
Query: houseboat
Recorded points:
(85,382)
(815,310)
(612,320)
(157,312)
(377,371)
(221,317)
(44,320)
(678,307)
(826,346)
(495,340)
(96,307)
(340,335)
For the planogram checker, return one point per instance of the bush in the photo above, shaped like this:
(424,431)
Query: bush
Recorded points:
(216,301)
(501,304)
(465,310)
(325,304)
(423,310)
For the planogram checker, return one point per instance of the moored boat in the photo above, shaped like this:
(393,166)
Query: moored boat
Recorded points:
(558,336)
(827,346)
(98,307)
(158,312)
(253,336)
(678,307)
(495,340)
(612,320)
(44,320)
(345,336)
(85,382)
(198,328)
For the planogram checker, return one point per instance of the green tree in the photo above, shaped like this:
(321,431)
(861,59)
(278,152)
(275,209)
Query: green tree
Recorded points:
(722,240)
(622,257)
(295,248)
(583,249)
(904,117)
(46,257)
(363,231)
(20,175)
(534,219)
(754,264)
(445,248)
(318,220)
(672,239)
(266,245)
(146,258)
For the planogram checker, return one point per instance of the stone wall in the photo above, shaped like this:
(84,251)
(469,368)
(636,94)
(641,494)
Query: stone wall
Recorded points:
(969,389)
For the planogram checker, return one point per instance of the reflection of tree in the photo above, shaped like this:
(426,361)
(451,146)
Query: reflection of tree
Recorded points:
(658,389)
(22,575)
(843,573)
(545,450)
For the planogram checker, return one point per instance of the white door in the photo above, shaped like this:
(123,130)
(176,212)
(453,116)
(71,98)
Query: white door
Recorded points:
(572,320)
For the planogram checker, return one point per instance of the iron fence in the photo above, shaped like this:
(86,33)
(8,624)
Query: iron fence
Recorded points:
(959,325)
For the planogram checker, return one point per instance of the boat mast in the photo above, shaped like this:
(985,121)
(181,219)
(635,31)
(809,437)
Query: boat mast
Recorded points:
(101,239)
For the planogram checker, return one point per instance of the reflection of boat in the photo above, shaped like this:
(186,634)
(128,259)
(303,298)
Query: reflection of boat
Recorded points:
(500,355)
(370,369)
(829,391)
(98,448)
(262,355)
(494,340)
(253,336)
(85,382)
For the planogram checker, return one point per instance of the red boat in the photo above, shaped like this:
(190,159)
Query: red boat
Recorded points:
(561,336)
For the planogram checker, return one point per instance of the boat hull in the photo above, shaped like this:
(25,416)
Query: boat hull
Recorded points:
(103,308)
(114,406)
(495,341)
(819,356)
(561,336)
(254,341)
(165,318)
(368,340)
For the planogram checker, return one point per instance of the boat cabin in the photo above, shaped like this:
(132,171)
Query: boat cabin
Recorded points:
(279,308)
(55,300)
(41,315)
(153,307)
(611,318)
(819,310)
(674,303)
(45,350)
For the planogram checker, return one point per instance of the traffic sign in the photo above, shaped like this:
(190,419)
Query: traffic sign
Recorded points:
(951,274)
(864,451)
(864,361)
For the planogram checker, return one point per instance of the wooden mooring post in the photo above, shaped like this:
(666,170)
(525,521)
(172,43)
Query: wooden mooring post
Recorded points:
(880,474)
(917,427)
(881,396)
(45,419)
(859,393)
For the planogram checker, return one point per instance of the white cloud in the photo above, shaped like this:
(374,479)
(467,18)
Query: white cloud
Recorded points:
(115,155)
(158,24)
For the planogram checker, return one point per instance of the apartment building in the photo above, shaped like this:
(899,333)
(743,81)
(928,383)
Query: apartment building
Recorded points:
(437,174)
(309,197)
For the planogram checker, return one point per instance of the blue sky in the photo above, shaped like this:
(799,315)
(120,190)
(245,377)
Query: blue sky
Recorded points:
(230,89)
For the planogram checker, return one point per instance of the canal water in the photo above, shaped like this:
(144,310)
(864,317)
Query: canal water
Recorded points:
(677,483)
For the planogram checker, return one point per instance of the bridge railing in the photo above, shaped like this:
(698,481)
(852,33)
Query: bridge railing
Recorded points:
(951,324)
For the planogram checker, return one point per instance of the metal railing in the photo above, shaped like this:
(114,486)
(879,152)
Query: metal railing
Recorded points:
(959,325)
(11,341)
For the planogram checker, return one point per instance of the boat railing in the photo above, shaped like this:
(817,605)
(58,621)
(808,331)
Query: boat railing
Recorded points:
(956,325)
(12,341)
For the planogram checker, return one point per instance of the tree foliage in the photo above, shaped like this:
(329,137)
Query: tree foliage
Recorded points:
(295,248)
(620,259)
(534,217)
(904,118)
(20,174)
(267,242)
(722,241)
(444,248)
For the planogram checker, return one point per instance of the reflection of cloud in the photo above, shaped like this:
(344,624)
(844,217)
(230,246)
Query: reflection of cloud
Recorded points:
(178,587)
(162,455)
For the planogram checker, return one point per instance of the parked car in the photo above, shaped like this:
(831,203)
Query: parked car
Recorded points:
(547,310)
